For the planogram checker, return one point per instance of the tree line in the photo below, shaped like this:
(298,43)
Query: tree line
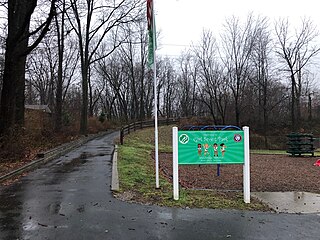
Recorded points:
(89,58)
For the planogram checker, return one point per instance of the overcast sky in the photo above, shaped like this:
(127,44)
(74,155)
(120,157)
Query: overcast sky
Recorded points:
(181,21)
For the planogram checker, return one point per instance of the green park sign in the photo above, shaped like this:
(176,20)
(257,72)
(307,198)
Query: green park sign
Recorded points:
(211,147)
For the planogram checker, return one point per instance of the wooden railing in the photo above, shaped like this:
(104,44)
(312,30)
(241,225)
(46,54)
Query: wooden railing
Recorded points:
(127,129)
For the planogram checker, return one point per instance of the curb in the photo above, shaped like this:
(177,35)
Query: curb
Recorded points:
(115,176)
(52,154)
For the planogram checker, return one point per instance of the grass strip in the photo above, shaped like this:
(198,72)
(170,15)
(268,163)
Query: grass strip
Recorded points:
(137,178)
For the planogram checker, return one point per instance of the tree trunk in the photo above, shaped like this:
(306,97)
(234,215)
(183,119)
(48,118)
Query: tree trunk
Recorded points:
(59,90)
(293,100)
(84,107)
(91,101)
(12,98)
(17,49)
(309,107)
(12,105)
(237,110)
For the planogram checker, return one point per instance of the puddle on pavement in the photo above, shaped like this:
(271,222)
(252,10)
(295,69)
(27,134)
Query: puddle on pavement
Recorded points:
(291,202)
(67,167)
(74,163)
(54,208)
(81,208)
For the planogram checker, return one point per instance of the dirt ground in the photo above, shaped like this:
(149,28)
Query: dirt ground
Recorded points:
(268,173)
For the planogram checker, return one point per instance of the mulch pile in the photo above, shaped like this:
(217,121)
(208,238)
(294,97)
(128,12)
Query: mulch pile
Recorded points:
(269,173)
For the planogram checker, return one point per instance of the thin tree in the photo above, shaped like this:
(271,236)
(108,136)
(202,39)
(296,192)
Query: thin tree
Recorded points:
(296,50)
(60,30)
(262,79)
(187,84)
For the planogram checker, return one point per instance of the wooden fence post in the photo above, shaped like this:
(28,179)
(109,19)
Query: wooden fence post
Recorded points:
(121,136)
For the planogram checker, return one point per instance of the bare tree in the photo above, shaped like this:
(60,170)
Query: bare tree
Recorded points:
(214,90)
(60,30)
(115,100)
(187,83)
(296,50)
(17,49)
(92,22)
(134,52)
(262,78)
(51,69)
(237,46)
(167,78)
(309,89)
(41,72)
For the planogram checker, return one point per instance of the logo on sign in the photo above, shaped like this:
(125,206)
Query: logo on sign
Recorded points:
(237,138)
(184,138)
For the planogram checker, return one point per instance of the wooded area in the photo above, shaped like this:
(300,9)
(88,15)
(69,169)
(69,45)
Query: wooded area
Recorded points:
(89,58)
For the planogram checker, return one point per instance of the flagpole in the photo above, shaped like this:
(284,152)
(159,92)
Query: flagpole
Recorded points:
(156,143)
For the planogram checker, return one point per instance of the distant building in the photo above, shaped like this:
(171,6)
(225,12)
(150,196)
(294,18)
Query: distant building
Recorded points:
(43,108)
(38,118)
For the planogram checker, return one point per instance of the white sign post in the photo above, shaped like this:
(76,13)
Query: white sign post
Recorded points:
(175,163)
(246,166)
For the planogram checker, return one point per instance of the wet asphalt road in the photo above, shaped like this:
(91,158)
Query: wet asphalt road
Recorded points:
(70,198)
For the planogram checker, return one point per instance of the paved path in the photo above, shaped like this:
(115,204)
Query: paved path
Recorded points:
(70,198)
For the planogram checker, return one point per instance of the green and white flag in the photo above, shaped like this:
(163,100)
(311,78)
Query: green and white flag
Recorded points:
(152,45)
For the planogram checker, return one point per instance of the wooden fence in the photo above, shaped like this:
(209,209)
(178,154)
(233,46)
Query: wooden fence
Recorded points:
(125,130)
